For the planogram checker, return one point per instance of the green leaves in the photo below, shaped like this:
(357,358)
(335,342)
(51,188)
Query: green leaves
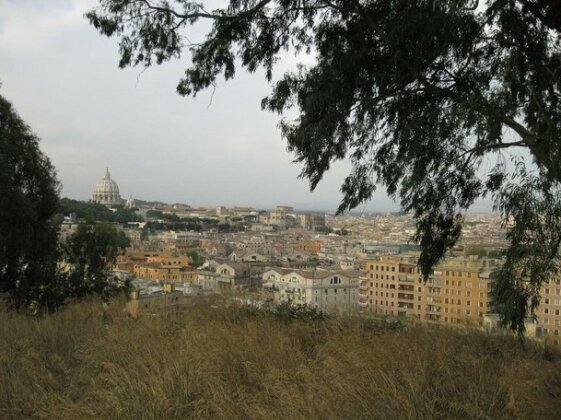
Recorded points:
(28,200)
(90,254)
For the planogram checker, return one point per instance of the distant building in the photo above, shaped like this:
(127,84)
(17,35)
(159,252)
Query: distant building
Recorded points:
(106,191)
(168,302)
(130,204)
(330,291)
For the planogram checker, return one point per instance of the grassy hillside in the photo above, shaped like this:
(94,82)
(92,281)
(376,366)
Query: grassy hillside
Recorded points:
(232,363)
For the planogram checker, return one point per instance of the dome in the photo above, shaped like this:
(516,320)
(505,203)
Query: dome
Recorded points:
(106,191)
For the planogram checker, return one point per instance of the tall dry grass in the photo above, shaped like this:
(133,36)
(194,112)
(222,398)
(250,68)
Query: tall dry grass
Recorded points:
(238,363)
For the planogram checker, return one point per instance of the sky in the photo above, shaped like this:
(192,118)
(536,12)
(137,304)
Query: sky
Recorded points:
(216,149)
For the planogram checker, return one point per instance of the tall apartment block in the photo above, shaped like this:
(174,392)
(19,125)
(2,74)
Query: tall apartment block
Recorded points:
(548,313)
(458,291)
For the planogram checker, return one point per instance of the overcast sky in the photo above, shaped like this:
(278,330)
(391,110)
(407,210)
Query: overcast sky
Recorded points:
(62,77)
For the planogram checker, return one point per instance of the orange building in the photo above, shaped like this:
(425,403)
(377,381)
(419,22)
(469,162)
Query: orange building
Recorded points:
(306,245)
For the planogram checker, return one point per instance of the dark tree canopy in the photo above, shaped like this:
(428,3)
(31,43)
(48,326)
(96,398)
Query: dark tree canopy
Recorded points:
(28,200)
(90,254)
(421,95)
(30,252)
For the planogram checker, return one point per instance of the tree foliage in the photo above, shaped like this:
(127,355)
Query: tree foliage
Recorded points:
(418,94)
(98,212)
(30,252)
(90,254)
(28,200)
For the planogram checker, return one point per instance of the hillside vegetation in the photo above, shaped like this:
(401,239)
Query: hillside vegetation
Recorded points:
(233,363)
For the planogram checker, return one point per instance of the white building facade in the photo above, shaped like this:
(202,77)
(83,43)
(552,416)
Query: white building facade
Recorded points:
(329,291)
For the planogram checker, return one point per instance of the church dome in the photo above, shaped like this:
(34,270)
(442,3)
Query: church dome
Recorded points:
(106,191)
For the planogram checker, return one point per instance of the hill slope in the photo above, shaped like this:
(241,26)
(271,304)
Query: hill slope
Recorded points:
(234,363)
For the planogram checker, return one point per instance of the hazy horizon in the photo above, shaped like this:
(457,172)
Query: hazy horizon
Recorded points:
(219,148)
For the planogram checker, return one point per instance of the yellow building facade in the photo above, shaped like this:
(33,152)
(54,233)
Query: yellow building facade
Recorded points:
(457,292)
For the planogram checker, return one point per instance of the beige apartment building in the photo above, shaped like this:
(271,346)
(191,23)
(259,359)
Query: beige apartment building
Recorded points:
(330,291)
(457,292)
(548,313)
(164,271)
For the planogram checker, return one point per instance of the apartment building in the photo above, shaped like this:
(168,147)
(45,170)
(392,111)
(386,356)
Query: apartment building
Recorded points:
(392,285)
(162,271)
(548,313)
(168,302)
(458,291)
(331,291)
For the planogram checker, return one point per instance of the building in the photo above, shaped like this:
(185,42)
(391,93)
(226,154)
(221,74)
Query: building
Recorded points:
(458,291)
(548,313)
(165,272)
(167,302)
(106,191)
(329,291)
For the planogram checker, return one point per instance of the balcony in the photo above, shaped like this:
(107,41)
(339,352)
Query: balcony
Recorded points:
(405,296)
(434,309)
(409,278)
(363,296)
(362,304)
(363,287)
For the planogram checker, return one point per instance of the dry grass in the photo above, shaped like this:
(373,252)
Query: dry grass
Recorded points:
(232,363)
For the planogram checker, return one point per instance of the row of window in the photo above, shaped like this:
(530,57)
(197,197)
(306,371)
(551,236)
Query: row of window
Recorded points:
(547,301)
(552,312)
